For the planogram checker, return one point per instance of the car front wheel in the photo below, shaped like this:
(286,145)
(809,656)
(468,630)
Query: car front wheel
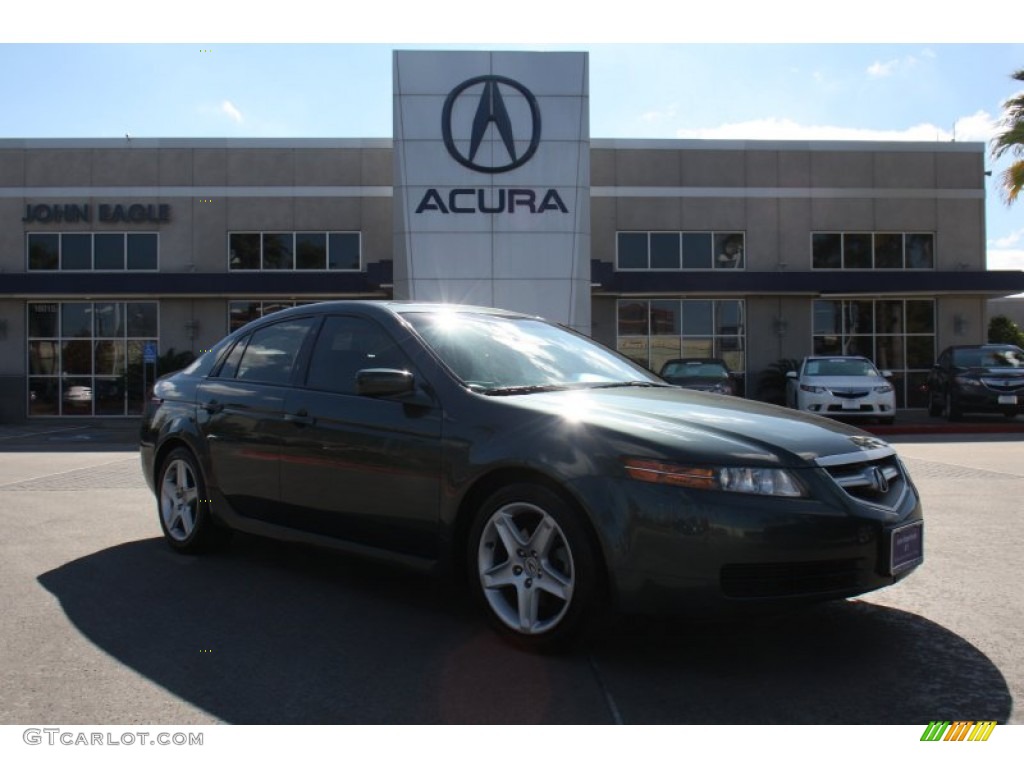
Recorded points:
(184,507)
(533,567)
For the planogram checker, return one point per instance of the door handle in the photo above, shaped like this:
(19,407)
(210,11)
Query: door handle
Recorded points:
(213,407)
(299,419)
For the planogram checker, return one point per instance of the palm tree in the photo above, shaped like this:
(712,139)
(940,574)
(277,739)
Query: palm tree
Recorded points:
(1012,140)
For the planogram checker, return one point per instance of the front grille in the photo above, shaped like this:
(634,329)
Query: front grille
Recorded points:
(789,579)
(880,482)
(1004,386)
(852,394)
(863,408)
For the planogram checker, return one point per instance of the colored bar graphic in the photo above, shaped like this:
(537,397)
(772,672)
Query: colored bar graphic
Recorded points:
(958,730)
(982,730)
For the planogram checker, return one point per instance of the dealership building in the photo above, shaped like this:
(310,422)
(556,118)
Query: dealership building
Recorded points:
(118,252)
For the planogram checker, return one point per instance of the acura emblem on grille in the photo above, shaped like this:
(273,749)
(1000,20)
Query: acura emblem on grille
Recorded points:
(878,481)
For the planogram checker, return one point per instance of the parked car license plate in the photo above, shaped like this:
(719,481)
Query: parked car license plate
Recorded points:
(1007,399)
(906,547)
(851,405)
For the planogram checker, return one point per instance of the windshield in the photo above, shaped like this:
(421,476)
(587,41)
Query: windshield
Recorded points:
(695,369)
(492,354)
(840,367)
(1008,357)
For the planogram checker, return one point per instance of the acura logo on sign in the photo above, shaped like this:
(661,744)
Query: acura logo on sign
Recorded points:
(491,111)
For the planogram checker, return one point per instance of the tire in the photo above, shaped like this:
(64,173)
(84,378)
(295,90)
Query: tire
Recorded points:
(953,412)
(533,568)
(183,506)
(934,408)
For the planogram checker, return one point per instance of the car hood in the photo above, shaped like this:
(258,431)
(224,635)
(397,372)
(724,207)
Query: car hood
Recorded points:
(708,428)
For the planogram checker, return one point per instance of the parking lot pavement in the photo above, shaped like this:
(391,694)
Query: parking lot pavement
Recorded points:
(918,422)
(103,624)
(78,436)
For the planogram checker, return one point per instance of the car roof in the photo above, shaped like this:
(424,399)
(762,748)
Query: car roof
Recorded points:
(382,307)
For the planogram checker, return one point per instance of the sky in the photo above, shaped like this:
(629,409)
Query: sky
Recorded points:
(742,71)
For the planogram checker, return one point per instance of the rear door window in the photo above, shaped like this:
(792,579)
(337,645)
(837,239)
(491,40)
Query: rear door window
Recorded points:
(270,355)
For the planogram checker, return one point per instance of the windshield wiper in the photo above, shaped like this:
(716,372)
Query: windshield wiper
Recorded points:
(611,384)
(525,389)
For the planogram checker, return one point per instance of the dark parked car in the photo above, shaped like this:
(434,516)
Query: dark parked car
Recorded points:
(705,374)
(987,378)
(556,475)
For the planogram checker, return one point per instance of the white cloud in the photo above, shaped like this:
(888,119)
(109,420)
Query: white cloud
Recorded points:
(883,69)
(977,127)
(231,111)
(1005,258)
(880,69)
(657,116)
(1006,252)
(1007,242)
(785,129)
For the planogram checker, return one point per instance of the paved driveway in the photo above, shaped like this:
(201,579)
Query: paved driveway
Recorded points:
(103,624)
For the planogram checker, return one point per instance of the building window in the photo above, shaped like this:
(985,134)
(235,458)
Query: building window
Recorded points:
(93,251)
(873,250)
(679,250)
(651,332)
(898,335)
(242,312)
(301,251)
(86,358)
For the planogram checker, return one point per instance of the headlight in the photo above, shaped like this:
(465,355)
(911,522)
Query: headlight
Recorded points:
(756,480)
(883,389)
(813,389)
(967,381)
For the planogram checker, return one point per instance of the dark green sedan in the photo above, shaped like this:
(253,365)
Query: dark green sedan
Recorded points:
(558,477)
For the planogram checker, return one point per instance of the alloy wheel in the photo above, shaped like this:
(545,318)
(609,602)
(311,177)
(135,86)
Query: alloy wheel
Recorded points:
(526,570)
(179,499)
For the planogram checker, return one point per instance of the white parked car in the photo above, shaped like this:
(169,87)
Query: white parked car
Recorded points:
(78,394)
(844,386)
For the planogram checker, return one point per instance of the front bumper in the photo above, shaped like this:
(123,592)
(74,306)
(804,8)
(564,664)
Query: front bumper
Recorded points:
(867,407)
(982,400)
(704,553)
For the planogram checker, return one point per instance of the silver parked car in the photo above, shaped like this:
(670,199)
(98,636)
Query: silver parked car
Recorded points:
(844,386)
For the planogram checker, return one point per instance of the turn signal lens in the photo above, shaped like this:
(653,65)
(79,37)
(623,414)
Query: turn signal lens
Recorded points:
(755,480)
(671,474)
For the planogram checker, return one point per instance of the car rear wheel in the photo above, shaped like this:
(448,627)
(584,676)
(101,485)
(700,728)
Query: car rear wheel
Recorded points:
(184,507)
(533,567)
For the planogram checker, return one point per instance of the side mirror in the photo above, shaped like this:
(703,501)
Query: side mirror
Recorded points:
(384,382)
(886,374)
(792,375)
